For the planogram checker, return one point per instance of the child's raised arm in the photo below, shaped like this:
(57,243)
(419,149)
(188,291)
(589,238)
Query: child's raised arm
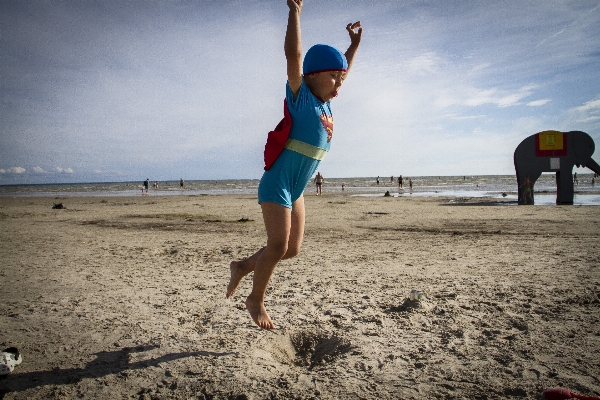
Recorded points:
(354,42)
(293,46)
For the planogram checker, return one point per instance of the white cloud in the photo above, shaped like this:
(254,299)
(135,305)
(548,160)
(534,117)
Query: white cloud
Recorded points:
(38,170)
(425,64)
(16,170)
(63,170)
(581,22)
(498,97)
(551,37)
(589,112)
(589,106)
(456,88)
(457,117)
(480,67)
(537,103)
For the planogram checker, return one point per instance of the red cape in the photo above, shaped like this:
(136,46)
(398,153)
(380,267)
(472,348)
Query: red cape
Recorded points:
(277,138)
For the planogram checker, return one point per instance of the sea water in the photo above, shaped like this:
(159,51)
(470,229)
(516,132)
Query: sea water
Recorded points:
(502,187)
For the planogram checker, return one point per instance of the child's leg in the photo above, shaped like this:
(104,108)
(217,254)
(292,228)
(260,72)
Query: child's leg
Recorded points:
(241,268)
(277,220)
(285,230)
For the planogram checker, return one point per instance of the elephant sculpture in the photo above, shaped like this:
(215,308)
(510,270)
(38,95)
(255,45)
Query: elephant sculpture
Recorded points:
(553,151)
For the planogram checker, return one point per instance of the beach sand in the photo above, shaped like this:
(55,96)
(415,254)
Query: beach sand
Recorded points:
(124,297)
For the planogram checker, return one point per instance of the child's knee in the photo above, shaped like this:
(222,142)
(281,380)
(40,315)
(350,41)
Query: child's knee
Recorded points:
(278,248)
(292,251)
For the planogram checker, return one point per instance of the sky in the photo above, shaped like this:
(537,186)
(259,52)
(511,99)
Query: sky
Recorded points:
(124,90)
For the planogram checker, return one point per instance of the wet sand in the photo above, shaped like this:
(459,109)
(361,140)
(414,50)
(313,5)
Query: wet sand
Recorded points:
(125,298)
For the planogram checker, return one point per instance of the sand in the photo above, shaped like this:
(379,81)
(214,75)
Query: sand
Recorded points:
(124,297)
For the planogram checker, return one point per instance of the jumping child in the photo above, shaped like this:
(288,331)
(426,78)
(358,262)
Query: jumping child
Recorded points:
(310,88)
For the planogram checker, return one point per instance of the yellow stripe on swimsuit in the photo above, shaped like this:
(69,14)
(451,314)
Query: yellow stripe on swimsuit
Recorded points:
(306,149)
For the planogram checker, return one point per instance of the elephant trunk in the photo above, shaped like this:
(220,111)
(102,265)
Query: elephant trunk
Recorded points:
(593,165)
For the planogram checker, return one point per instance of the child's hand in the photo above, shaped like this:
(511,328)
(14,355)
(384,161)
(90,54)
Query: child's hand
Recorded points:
(295,5)
(354,36)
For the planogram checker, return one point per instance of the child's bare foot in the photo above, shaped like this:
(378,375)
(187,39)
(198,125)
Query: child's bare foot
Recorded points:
(259,314)
(237,273)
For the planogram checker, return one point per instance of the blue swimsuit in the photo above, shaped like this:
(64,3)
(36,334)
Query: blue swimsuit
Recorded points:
(308,142)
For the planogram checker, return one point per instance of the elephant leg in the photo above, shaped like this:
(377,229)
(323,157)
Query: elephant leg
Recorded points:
(533,177)
(519,190)
(524,196)
(521,174)
(564,186)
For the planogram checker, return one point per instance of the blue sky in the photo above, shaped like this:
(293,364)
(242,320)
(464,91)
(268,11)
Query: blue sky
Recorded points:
(126,90)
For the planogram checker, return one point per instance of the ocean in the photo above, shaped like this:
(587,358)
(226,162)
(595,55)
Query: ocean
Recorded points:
(502,187)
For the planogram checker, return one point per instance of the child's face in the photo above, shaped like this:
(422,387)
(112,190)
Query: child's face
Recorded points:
(325,85)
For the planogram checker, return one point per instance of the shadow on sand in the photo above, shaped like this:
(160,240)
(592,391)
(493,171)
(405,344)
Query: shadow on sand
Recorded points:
(105,363)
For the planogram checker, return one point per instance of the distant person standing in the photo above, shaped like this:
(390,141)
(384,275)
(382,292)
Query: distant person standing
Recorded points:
(181,184)
(400,180)
(146,184)
(378,180)
(410,183)
(319,179)
(575,180)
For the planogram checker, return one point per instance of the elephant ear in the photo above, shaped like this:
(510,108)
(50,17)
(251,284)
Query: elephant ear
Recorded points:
(583,146)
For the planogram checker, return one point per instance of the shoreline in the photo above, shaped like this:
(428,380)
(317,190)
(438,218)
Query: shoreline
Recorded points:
(542,198)
(457,188)
(383,179)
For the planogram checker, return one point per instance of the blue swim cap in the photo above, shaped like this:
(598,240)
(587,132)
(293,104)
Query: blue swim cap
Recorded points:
(322,57)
